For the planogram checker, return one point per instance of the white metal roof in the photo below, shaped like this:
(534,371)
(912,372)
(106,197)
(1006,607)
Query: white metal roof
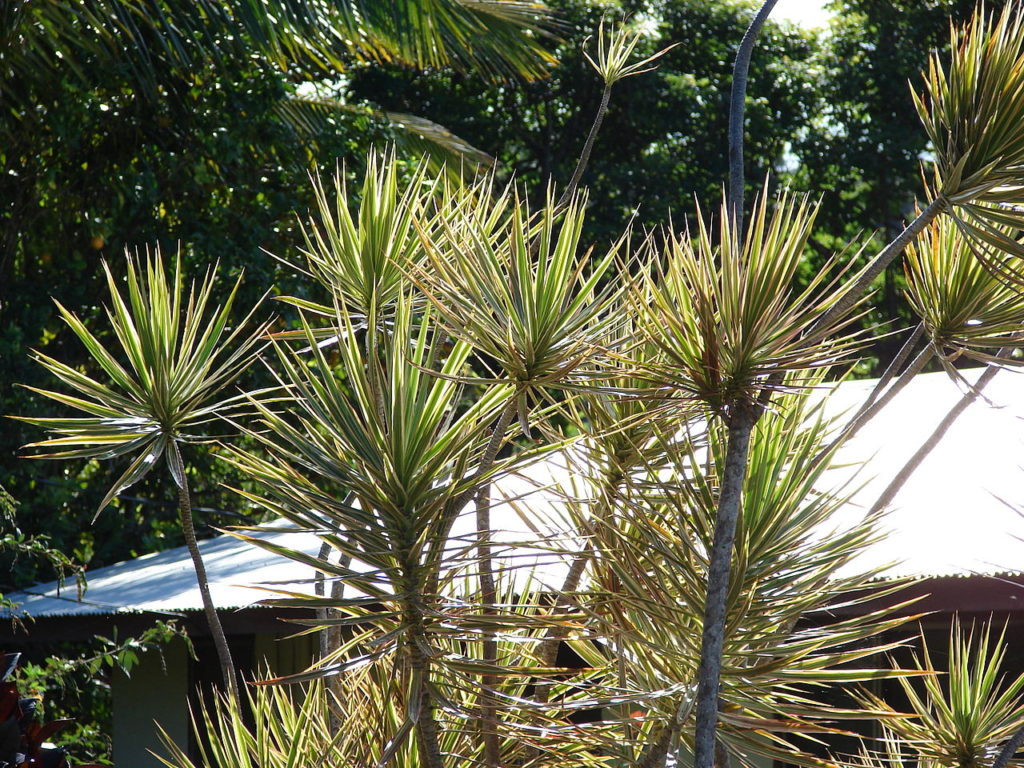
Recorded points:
(949,519)
(952,516)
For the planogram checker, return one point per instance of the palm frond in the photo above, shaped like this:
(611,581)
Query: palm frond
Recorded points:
(316,116)
(497,38)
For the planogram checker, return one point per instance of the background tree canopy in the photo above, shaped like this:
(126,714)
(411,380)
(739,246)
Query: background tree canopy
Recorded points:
(663,141)
(142,123)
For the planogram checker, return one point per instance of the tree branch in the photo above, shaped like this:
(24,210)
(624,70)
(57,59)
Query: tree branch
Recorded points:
(581,164)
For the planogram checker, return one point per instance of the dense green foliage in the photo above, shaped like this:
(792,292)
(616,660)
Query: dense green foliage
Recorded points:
(663,141)
(100,165)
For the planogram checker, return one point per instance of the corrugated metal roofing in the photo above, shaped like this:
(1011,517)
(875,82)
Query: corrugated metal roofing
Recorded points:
(949,519)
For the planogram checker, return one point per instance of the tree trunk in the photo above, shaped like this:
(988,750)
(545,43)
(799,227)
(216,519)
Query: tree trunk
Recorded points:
(227,666)
(879,263)
(427,732)
(741,424)
(488,599)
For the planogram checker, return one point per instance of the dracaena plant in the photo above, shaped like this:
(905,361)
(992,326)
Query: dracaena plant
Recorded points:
(965,308)
(305,726)
(382,474)
(521,291)
(165,381)
(732,330)
(361,256)
(966,713)
(650,571)
(613,61)
(972,108)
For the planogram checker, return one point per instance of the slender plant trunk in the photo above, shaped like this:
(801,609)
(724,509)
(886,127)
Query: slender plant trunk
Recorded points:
(455,506)
(1009,749)
(872,409)
(334,638)
(878,265)
(936,437)
(737,104)
(321,613)
(656,753)
(896,363)
(427,731)
(741,424)
(581,164)
(721,755)
(227,666)
(330,637)
(488,591)
(549,649)
(548,652)
(488,599)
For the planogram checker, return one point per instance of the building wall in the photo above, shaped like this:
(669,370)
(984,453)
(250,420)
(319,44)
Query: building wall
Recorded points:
(154,693)
(283,655)
(159,692)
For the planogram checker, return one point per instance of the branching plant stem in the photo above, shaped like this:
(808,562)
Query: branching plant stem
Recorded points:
(488,597)
(330,637)
(878,265)
(488,591)
(871,409)
(426,724)
(876,402)
(548,652)
(581,164)
(895,364)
